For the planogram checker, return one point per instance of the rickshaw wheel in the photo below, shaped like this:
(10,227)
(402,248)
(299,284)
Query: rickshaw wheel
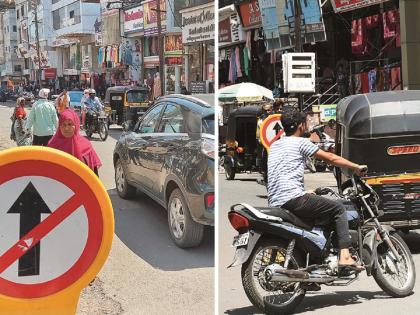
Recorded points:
(230,172)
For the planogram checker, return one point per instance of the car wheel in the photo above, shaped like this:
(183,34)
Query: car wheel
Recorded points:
(183,229)
(124,189)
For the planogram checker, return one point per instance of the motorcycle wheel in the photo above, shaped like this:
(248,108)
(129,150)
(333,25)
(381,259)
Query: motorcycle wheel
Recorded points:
(310,165)
(89,132)
(321,168)
(229,172)
(271,297)
(396,279)
(103,131)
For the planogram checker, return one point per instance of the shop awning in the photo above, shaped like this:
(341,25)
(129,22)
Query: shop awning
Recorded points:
(245,92)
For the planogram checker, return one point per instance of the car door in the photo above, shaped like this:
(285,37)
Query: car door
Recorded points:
(170,140)
(138,145)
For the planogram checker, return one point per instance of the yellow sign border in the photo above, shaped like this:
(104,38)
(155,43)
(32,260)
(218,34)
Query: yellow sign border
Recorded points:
(265,121)
(65,301)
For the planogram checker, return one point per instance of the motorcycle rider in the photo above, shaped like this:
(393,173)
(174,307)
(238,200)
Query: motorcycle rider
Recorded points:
(286,163)
(92,104)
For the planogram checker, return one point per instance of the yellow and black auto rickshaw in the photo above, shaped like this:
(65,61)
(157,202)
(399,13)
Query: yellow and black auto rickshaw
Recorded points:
(382,130)
(126,103)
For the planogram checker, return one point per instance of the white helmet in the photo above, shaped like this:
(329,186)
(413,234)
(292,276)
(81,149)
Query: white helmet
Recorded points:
(92,91)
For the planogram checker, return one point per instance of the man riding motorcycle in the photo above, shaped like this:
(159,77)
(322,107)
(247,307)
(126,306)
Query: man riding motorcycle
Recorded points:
(286,163)
(92,104)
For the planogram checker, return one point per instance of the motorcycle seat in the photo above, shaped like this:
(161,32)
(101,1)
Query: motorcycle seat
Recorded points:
(286,215)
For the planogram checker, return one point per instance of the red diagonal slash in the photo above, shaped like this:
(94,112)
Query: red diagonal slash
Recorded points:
(40,231)
(277,137)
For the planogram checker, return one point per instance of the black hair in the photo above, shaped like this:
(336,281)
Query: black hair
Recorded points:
(291,119)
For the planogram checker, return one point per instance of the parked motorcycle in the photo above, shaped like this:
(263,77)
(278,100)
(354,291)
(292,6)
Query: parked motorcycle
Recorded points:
(97,122)
(326,143)
(283,257)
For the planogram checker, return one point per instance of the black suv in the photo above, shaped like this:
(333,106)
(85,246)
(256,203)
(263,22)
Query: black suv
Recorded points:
(169,155)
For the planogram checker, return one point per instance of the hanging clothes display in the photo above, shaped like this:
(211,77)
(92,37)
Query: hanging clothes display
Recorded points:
(358,37)
(357,83)
(238,62)
(156,86)
(380,79)
(364,78)
(246,61)
(396,78)
(372,80)
(121,54)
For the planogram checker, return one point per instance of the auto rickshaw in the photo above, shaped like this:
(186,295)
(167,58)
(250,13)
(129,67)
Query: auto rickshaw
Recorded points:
(382,130)
(241,143)
(124,104)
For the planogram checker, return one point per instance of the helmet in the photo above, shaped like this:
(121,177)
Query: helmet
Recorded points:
(92,91)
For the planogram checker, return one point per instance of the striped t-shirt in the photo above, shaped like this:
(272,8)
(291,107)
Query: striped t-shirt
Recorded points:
(286,165)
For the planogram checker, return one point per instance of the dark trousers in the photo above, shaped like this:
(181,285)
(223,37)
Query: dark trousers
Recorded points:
(41,140)
(322,212)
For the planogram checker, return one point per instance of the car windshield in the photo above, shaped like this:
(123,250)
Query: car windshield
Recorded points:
(137,96)
(76,97)
(208,124)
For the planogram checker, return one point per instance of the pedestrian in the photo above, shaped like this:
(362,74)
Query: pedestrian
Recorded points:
(69,140)
(43,119)
(266,111)
(62,102)
(286,164)
(18,132)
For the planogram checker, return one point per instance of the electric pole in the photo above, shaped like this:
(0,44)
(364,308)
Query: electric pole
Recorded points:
(298,41)
(34,5)
(160,48)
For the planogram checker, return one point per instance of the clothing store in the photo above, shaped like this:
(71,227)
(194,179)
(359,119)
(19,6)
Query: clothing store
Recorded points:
(363,51)
(198,42)
(174,63)
(242,54)
(134,32)
(151,45)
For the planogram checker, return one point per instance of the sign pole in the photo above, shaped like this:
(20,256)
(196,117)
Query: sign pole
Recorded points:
(298,42)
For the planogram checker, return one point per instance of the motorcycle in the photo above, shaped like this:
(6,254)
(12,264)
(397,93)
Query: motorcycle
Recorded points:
(97,122)
(313,164)
(283,257)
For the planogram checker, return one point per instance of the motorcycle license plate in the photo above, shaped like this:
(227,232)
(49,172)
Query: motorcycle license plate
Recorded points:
(240,240)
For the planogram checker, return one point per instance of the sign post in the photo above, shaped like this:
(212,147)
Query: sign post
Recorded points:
(57,226)
(271,130)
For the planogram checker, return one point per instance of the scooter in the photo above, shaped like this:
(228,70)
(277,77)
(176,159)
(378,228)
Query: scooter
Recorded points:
(283,257)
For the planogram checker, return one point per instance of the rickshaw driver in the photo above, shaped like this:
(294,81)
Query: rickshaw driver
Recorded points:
(286,163)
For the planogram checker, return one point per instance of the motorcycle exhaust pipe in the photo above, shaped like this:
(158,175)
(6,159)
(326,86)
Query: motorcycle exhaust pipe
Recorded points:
(287,275)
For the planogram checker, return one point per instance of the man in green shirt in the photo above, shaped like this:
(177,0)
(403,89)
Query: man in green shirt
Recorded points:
(43,119)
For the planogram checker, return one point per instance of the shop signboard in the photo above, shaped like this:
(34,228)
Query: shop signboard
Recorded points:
(225,35)
(328,112)
(198,87)
(250,13)
(50,73)
(349,5)
(70,72)
(270,20)
(173,45)
(133,19)
(150,17)
(98,31)
(198,24)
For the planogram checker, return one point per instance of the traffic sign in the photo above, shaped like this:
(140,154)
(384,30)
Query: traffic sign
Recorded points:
(271,130)
(57,225)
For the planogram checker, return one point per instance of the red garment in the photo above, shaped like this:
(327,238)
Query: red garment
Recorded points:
(77,145)
(372,21)
(396,78)
(364,78)
(358,37)
(20,112)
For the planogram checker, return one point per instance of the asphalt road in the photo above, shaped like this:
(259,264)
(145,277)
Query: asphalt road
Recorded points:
(362,297)
(146,273)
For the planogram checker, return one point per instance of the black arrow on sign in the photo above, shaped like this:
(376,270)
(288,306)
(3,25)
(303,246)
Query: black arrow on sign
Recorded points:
(29,205)
(277,128)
